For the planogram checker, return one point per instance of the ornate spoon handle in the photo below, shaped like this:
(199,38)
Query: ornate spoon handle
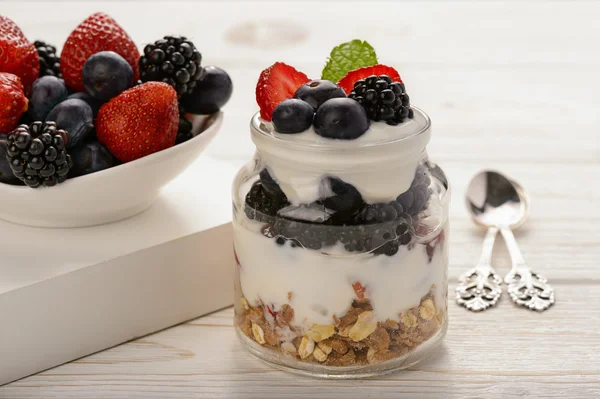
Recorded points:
(525,287)
(479,288)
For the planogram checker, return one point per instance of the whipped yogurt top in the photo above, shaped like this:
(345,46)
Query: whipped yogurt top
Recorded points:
(378,133)
(381,163)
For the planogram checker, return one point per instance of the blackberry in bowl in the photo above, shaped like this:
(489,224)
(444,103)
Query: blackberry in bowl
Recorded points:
(340,233)
(173,60)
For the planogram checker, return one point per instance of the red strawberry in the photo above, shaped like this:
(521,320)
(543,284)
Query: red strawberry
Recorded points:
(359,290)
(140,121)
(98,32)
(12,101)
(17,55)
(275,84)
(347,82)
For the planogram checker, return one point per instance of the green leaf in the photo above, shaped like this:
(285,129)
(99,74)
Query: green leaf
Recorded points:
(347,57)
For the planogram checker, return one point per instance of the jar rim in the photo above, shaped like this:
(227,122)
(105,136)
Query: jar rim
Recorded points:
(262,130)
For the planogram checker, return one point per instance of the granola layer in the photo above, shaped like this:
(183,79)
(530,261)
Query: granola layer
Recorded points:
(355,338)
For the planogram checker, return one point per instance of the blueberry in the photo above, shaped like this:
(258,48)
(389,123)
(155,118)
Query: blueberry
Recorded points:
(46,93)
(293,116)
(340,196)
(6,174)
(76,117)
(341,118)
(106,74)
(211,92)
(91,157)
(94,103)
(316,92)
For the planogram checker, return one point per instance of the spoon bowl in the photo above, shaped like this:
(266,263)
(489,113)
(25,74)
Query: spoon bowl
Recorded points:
(495,201)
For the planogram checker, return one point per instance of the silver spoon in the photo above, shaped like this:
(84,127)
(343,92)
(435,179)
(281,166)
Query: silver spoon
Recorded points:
(479,288)
(526,287)
(498,203)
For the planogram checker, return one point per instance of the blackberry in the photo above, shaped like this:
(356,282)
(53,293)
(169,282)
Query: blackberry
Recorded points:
(416,197)
(381,213)
(173,60)
(261,206)
(308,235)
(49,60)
(271,186)
(37,154)
(184,132)
(383,99)
(340,196)
(384,227)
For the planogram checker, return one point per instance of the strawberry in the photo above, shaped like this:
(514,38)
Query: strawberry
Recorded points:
(359,290)
(275,84)
(347,82)
(13,102)
(98,32)
(17,54)
(139,121)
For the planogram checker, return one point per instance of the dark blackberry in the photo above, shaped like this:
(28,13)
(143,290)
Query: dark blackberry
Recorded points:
(37,154)
(49,60)
(340,196)
(383,99)
(381,213)
(173,60)
(416,197)
(383,227)
(261,206)
(182,137)
(184,133)
(306,234)
(390,248)
(271,186)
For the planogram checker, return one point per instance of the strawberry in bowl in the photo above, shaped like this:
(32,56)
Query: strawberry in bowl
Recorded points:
(100,129)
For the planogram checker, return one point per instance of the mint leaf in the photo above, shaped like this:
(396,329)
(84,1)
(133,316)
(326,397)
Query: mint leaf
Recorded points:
(347,57)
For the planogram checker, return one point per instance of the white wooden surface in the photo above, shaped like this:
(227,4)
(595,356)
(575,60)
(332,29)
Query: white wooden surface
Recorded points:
(512,86)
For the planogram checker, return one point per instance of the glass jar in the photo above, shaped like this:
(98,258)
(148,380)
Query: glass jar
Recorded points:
(341,250)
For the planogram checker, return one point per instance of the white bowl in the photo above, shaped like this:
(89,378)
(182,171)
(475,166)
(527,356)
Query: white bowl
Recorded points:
(110,195)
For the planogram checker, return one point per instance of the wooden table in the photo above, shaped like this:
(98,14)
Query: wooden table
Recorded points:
(510,86)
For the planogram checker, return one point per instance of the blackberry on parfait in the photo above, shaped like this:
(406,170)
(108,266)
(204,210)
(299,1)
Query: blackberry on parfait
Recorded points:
(383,99)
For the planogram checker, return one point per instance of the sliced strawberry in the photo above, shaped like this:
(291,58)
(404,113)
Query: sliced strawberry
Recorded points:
(275,84)
(347,82)
(359,290)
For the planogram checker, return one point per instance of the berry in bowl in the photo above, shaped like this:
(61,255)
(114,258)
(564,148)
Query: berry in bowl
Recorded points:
(340,223)
(91,136)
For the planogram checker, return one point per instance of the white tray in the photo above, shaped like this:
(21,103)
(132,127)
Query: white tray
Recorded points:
(66,293)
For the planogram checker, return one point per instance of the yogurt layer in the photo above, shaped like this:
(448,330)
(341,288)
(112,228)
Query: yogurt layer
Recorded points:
(321,285)
(381,163)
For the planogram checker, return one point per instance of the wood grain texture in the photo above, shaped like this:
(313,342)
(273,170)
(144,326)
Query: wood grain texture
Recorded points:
(509,86)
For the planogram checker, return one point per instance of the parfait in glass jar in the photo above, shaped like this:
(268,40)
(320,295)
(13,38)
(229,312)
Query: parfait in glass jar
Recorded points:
(340,225)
